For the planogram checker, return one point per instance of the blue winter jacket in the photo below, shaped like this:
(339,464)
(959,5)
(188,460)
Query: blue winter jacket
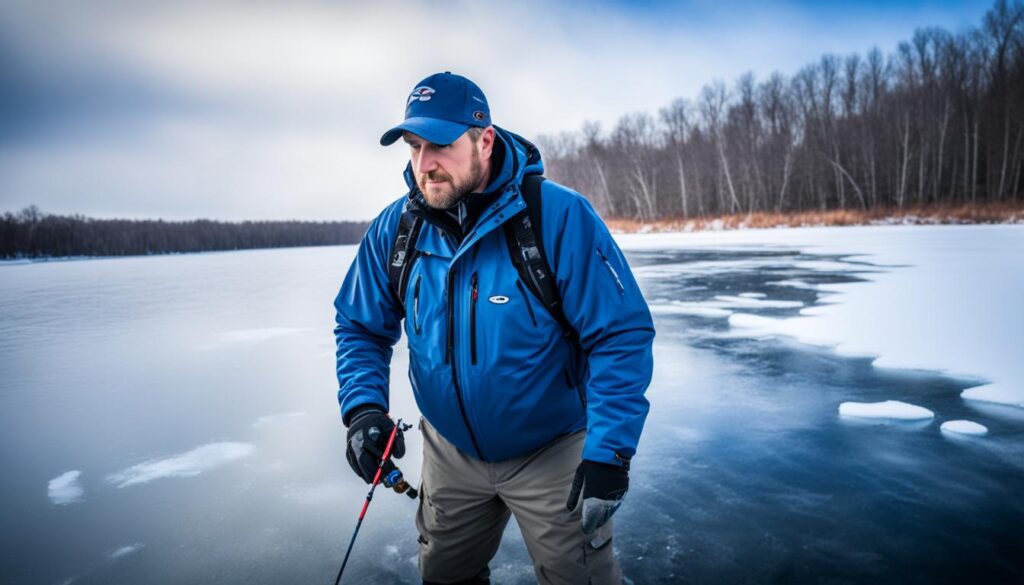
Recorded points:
(513,381)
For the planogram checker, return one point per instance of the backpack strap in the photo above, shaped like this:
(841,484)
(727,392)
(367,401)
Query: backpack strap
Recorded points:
(403,254)
(525,246)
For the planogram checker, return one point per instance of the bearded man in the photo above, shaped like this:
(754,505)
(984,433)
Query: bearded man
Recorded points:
(529,347)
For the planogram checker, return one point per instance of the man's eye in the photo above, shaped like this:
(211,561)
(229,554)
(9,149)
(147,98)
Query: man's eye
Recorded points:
(414,146)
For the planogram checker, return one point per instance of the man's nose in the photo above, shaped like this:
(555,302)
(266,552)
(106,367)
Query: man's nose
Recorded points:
(428,160)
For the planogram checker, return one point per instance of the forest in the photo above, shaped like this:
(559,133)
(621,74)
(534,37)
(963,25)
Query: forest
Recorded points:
(939,121)
(33,234)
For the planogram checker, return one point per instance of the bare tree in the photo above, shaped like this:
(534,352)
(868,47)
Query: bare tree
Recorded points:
(941,119)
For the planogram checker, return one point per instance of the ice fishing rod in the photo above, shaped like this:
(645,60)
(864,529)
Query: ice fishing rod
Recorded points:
(393,480)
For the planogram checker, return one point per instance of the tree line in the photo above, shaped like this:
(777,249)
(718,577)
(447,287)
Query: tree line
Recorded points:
(33,234)
(939,120)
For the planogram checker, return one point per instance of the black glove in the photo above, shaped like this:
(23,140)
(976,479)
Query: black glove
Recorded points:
(603,488)
(368,431)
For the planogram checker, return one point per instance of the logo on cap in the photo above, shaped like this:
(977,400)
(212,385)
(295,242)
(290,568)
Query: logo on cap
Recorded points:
(421,93)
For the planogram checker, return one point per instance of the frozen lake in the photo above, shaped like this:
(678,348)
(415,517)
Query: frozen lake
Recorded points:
(173,419)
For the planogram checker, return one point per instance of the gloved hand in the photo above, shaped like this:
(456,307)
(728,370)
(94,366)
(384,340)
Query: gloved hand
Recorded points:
(368,431)
(603,487)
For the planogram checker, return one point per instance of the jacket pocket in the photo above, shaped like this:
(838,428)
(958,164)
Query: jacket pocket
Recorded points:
(578,388)
(526,301)
(474,292)
(611,270)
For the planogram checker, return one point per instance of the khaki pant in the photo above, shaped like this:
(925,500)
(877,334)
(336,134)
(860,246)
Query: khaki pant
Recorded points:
(465,504)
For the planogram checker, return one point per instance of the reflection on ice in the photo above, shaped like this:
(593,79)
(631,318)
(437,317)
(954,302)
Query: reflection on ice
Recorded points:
(190,463)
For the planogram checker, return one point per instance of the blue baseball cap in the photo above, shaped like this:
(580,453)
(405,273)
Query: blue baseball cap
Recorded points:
(441,108)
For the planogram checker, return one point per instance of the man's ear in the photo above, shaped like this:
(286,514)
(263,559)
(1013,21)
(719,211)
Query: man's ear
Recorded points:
(487,142)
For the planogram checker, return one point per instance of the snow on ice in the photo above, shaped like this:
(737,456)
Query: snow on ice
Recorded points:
(65,489)
(188,464)
(890,409)
(963,427)
(942,298)
(125,551)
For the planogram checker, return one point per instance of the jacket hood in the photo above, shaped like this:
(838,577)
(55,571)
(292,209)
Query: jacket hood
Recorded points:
(521,157)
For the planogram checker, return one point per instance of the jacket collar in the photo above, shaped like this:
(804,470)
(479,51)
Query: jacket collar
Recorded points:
(520,157)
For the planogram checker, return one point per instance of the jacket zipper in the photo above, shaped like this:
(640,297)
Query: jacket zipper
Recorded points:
(615,275)
(449,341)
(472,318)
(416,305)
(526,301)
(450,358)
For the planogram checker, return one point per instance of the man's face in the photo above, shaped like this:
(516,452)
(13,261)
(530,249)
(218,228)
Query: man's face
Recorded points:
(446,172)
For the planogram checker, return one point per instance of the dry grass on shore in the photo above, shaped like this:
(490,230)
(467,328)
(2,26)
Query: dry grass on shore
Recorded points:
(998,212)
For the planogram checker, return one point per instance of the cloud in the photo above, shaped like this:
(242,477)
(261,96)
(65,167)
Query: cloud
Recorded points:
(269,111)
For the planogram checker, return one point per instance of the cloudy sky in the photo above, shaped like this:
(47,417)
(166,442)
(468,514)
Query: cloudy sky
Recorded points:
(258,110)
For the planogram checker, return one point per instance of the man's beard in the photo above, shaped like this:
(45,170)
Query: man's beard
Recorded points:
(452,191)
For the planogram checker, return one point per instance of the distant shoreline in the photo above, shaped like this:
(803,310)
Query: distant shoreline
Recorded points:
(936,214)
(32,234)
(55,259)
(980,214)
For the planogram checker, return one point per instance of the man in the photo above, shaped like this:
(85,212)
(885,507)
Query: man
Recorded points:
(526,409)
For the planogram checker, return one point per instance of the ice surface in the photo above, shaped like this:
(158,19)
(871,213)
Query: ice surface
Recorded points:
(755,303)
(752,295)
(271,420)
(831,266)
(963,427)
(758,326)
(190,463)
(945,298)
(794,284)
(890,409)
(755,325)
(688,308)
(704,267)
(251,336)
(65,489)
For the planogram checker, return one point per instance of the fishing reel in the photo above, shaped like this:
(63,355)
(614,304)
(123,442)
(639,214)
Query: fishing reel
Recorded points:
(395,480)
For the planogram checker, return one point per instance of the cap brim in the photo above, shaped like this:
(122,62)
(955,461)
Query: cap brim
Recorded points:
(430,129)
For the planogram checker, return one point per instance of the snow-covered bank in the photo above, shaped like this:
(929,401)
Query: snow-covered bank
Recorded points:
(946,298)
